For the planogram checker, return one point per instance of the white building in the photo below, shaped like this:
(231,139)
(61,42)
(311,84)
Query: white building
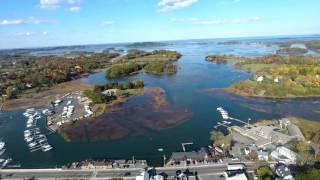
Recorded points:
(240,176)
(263,156)
(145,176)
(285,155)
(110,92)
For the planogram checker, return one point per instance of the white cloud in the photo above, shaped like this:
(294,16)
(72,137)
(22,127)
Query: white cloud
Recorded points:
(54,4)
(24,34)
(197,21)
(108,23)
(171,5)
(44,33)
(74,9)
(29,20)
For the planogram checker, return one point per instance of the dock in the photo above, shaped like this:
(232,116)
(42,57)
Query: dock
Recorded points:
(225,116)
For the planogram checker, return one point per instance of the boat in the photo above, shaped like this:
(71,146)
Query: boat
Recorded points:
(33,144)
(2,151)
(46,148)
(5,162)
(2,145)
(29,139)
(42,140)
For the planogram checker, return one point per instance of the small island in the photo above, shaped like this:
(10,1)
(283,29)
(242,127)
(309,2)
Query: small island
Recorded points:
(292,51)
(277,76)
(313,45)
(155,62)
(147,44)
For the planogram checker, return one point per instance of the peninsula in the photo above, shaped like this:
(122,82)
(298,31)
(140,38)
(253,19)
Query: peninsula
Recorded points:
(276,76)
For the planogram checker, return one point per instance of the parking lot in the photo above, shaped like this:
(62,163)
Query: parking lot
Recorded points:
(69,108)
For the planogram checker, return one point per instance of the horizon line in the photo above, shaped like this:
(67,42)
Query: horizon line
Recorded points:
(126,42)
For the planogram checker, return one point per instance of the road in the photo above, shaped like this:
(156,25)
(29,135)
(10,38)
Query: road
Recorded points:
(203,170)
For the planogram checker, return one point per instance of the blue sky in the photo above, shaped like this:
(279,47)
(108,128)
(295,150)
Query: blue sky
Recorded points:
(36,23)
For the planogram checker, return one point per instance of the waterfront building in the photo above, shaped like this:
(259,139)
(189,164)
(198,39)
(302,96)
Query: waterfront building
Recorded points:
(284,154)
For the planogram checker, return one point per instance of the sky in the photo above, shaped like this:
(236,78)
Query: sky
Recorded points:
(40,23)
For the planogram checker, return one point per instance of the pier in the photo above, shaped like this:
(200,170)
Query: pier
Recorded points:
(225,116)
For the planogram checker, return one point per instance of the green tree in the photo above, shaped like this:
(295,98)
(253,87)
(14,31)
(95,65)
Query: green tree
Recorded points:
(139,84)
(127,85)
(264,173)
(308,174)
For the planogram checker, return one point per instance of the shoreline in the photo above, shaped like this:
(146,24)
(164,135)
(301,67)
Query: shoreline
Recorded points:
(272,97)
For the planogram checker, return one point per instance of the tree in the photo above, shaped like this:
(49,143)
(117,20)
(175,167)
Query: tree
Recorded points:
(253,156)
(127,85)
(264,173)
(308,174)
(11,92)
(139,84)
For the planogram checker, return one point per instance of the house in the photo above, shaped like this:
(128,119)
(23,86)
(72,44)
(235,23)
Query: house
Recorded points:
(260,79)
(28,85)
(284,154)
(187,157)
(86,165)
(276,80)
(263,156)
(110,92)
(235,175)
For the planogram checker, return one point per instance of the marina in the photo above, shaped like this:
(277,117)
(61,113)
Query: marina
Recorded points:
(32,135)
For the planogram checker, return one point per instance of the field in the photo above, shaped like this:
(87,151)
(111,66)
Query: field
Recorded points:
(279,77)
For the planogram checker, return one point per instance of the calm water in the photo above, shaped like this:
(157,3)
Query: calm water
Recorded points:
(192,88)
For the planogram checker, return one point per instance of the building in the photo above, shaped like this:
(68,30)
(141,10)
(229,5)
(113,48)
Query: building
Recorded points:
(263,135)
(149,174)
(187,158)
(260,79)
(235,175)
(284,155)
(295,131)
(283,172)
(263,156)
(110,92)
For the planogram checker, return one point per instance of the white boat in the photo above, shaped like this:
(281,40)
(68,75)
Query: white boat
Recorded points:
(4,164)
(2,151)
(2,145)
(42,140)
(29,139)
(33,144)
(46,148)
